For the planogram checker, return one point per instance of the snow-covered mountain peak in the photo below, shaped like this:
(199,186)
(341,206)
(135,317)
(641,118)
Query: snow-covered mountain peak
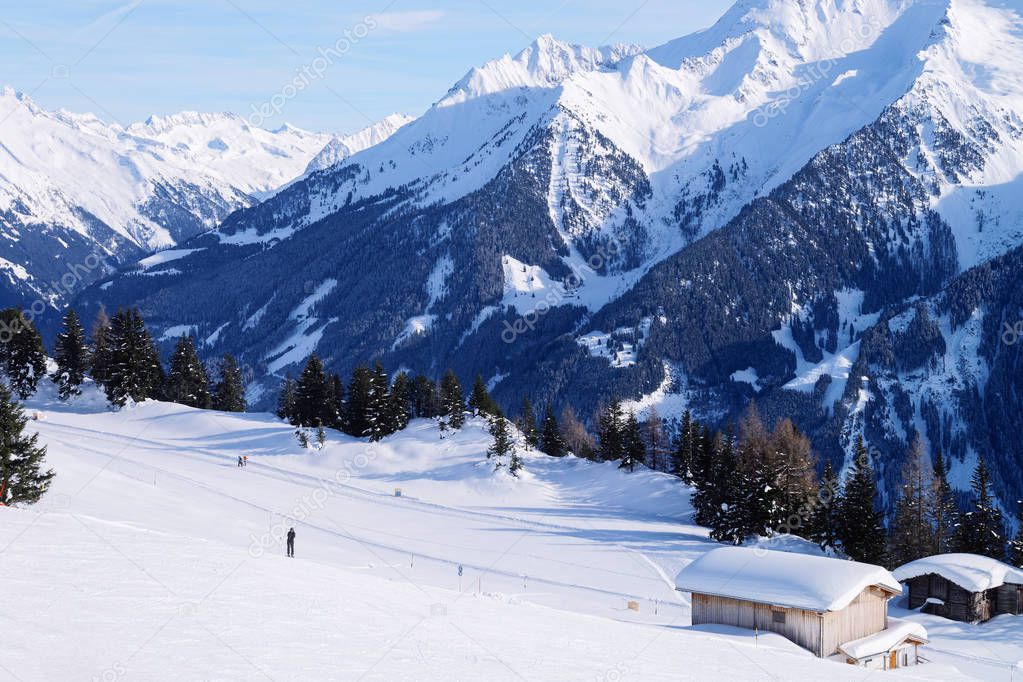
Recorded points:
(804,30)
(544,63)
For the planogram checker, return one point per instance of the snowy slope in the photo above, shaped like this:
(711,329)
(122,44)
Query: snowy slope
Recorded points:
(154,555)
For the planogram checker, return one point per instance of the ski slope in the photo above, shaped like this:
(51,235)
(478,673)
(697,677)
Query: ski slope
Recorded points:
(154,556)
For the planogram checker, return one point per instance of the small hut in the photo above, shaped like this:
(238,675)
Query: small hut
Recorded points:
(829,606)
(964,587)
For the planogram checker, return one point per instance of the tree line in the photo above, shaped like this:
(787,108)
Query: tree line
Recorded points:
(748,481)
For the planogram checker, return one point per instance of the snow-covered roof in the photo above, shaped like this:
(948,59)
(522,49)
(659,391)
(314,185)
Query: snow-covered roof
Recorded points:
(897,632)
(972,572)
(788,579)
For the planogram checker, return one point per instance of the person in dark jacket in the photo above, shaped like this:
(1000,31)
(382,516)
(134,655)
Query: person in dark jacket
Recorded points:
(291,542)
(240,461)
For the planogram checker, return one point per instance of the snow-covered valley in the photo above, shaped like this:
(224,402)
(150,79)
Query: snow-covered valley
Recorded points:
(154,555)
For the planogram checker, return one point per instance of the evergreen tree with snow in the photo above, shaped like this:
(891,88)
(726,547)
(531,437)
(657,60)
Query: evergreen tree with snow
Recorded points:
(187,381)
(400,402)
(527,424)
(22,478)
(684,450)
(380,423)
(480,401)
(703,458)
(860,524)
(912,534)
(452,400)
(336,403)
(502,445)
(1015,556)
(21,352)
(311,394)
(132,364)
(229,394)
(286,401)
(99,353)
(824,519)
(425,400)
(981,529)
(72,356)
(610,433)
(359,406)
(633,447)
(551,440)
(945,511)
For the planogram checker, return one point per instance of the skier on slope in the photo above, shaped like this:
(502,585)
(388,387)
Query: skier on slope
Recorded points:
(291,542)
(240,464)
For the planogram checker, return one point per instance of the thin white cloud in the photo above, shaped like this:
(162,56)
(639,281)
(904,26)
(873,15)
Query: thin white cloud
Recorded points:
(407,21)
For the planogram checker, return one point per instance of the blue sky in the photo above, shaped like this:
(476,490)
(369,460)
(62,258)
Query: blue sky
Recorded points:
(126,59)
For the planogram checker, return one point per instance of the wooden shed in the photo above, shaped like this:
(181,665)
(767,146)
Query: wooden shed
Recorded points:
(817,602)
(964,587)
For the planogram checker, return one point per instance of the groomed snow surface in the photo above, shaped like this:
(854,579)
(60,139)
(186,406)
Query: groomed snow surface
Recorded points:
(154,556)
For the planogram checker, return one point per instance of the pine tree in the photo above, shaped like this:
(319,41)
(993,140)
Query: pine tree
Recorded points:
(359,407)
(860,524)
(480,401)
(132,365)
(452,401)
(502,445)
(1015,556)
(21,352)
(187,382)
(229,394)
(527,424)
(633,448)
(424,398)
(703,457)
(912,530)
(286,401)
(945,512)
(577,439)
(22,480)
(336,403)
(551,440)
(311,404)
(379,412)
(610,434)
(824,521)
(99,353)
(515,465)
(400,402)
(981,529)
(72,357)
(684,451)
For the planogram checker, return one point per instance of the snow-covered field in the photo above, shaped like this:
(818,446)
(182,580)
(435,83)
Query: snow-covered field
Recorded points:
(155,557)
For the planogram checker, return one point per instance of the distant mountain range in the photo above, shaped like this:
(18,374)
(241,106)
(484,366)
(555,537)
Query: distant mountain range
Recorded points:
(82,196)
(814,203)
